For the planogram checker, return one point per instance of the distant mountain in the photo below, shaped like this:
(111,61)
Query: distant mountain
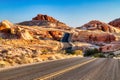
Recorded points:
(115,23)
(45,21)
(98,25)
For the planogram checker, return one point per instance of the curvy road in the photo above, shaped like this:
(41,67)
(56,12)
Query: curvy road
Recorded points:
(66,69)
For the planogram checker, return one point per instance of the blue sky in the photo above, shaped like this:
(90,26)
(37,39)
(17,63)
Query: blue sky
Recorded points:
(72,12)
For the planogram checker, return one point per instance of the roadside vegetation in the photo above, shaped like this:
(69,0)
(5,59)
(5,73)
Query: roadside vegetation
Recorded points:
(93,53)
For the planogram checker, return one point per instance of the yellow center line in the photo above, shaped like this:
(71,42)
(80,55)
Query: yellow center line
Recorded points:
(64,70)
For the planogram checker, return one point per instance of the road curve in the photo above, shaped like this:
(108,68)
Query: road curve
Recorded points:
(67,69)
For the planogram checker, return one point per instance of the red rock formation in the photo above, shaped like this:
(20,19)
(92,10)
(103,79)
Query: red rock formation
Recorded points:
(8,31)
(56,35)
(93,37)
(115,23)
(29,33)
(45,21)
(45,17)
(97,25)
(110,47)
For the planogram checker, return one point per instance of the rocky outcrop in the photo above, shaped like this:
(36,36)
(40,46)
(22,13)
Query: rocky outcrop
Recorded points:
(45,17)
(93,37)
(97,25)
(56,35)
(24,34)
(16,51)
(45,21)
(9,31)
(5,30)
(5,25)
(115,23)
(113,46)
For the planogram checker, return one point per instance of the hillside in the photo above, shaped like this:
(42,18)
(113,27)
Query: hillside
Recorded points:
(115,23)
(45,21)
(98,25)
(37,40)
(101,33)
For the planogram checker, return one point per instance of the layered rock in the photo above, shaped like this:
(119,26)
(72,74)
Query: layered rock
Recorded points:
(27,33)
(97,25)
(113,46)
(5,25)
(93,37)
(45,17)
(16,51)
(45,21)
(115,23)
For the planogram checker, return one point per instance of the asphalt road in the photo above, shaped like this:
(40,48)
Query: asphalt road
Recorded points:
(67,69)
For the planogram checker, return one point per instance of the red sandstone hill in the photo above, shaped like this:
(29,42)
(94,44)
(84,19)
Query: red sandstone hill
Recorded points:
(45,17)
(45,21)
(98,25)
(115,23)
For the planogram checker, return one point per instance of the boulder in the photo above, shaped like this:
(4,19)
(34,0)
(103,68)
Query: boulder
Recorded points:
(56,35)
(25,34)
(5,25)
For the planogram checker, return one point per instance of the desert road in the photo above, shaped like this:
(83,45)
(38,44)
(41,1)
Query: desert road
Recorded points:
(66,69)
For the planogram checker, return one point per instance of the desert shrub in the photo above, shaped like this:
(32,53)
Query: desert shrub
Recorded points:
(1,38)
(99,55)
(62,51)
(69,50)
(91,52)
(45,51)
(111,55)
(77,52)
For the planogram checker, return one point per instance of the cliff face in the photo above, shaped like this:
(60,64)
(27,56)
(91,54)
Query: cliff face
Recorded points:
(45,21)
(97,25)
(115,23)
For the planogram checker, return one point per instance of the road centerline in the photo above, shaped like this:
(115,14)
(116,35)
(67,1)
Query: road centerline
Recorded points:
(64,70)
